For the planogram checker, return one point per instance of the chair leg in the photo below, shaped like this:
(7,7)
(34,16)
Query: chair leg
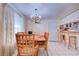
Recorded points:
(69,43)
(46,48)
(37,52)
(18,55)
(75,43)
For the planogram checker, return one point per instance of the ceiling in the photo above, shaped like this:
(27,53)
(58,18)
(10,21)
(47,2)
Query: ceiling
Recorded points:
(47,10)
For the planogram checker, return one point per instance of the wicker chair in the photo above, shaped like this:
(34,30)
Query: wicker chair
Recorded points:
(25,45)
(44,44)
(46,35)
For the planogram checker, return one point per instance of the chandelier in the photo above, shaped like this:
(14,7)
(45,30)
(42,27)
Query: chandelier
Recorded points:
(36,18)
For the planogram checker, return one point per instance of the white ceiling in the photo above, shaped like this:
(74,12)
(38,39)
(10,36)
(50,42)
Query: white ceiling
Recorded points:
(47,10)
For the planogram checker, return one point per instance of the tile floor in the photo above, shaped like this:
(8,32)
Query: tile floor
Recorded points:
(57,49)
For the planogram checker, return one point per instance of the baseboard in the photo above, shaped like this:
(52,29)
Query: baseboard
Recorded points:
(52,41)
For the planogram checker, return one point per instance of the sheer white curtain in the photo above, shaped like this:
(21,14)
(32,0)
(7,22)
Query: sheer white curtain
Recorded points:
(13,22)
(8,30)
(1,29)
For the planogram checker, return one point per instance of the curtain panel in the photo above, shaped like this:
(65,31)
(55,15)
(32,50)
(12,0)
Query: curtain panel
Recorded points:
(8,31)
(13,23)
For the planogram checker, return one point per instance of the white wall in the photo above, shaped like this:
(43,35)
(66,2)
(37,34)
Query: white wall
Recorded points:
(42,27)
(45,26)
(52,29)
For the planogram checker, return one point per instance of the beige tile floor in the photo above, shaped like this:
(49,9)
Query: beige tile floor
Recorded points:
(57,49)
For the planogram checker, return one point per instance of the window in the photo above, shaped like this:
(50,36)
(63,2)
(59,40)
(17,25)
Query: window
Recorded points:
(18,23)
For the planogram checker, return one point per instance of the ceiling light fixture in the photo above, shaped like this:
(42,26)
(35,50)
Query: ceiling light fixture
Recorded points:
(36,18)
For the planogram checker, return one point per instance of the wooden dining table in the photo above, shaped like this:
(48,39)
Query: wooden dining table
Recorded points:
(39,38)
